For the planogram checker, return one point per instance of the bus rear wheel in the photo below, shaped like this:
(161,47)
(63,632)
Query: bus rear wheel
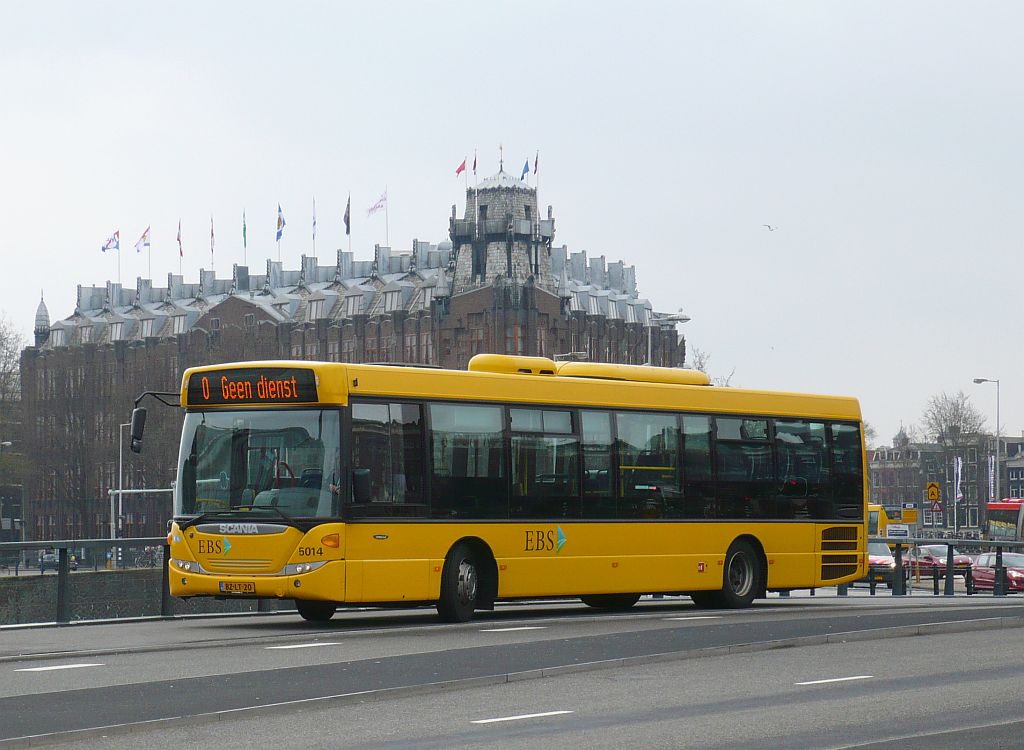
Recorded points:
(315,611)
(743,572)
(610,601)
(459,585)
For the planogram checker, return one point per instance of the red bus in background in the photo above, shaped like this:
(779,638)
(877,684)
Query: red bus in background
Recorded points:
(1005,519)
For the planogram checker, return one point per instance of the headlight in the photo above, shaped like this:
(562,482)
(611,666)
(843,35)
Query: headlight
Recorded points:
(295,569)
(891,565)
(187,566)
(1014,574)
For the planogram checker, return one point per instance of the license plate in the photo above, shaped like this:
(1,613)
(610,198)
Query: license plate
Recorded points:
(237,587)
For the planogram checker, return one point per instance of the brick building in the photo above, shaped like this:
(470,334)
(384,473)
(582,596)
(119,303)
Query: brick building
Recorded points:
(498,284)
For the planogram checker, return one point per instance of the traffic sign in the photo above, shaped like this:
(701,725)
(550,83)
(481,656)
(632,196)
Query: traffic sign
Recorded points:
(897,529)
(909,514)
(933,492)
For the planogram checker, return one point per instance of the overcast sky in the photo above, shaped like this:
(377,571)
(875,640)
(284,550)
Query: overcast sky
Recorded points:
(882,139)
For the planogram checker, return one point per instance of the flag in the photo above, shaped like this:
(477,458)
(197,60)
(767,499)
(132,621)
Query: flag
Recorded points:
(461,168)
(314,219)
(143,241)
(211,234)
(382,202)
(181,253)
(280,222)
(245,244)
(526,169)
(536,158)
(113,242)
(474,162)
(348,209)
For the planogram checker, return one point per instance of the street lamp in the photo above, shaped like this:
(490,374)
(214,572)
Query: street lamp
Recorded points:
(660,321)
(115,521)
(999,495)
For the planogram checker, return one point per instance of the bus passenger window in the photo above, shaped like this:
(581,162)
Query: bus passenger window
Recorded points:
(849,472)
(648,465)
(387,460)
(698,480)
(597,456)
(544,466)
(467,449)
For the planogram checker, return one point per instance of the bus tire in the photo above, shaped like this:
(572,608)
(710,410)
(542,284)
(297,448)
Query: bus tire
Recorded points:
(315,611)
(460,582)
(610,601)
(742,576)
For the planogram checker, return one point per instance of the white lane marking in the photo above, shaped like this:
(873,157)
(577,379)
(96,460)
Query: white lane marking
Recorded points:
(304,645)
(836,679)
(509,630)
(522,716)
(58,666)
(695,617)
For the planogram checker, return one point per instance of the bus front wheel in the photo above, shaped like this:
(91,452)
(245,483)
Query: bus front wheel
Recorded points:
(315,611)
(459,585)
(610,601)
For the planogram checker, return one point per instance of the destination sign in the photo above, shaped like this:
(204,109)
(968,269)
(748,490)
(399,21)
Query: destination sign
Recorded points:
(252,385)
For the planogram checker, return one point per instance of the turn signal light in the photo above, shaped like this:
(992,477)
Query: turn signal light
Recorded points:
(331,540)
(170,535)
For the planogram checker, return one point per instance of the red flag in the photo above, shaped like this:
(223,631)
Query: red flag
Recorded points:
(461,168)
(181,253)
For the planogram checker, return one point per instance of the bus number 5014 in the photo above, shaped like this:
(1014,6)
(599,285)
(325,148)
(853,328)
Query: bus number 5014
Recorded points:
(310,551)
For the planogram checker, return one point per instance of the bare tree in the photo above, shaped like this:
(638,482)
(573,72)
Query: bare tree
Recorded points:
(11,344)
(700,360)
(951,418)
(870,435)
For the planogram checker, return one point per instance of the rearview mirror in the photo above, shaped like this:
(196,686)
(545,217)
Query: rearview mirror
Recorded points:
(138,427)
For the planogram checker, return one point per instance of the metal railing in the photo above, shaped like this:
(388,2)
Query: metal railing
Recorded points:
(901,576)
(117,558)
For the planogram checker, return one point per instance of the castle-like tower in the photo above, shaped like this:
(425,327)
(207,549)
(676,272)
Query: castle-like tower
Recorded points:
(501,236)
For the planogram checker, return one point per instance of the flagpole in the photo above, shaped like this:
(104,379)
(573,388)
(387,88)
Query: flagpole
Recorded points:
(387,237)
(314,226)
(118,261)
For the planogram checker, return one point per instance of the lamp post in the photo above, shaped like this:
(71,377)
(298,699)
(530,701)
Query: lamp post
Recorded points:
(660,321)
(999,495)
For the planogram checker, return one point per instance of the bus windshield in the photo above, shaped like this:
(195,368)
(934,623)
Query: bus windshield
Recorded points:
(282,461)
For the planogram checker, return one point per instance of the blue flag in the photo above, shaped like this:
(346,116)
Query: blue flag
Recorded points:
(526,169)
(280,222)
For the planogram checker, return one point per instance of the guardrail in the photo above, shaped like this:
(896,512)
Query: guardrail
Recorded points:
(117,558)
(900,578)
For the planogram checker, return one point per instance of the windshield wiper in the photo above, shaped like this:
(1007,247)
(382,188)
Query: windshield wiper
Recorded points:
(208,516)
(277,510)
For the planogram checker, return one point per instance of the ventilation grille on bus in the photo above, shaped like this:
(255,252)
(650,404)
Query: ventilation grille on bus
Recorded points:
(238,566)
(838,539)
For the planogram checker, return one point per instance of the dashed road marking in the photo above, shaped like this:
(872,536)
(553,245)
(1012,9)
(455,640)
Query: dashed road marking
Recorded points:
(836,679)
(56,667)
(521,716)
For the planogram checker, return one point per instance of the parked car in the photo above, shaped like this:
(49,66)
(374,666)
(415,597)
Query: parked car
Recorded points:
(930,557)
(49,560)
(881,564)
(984,571)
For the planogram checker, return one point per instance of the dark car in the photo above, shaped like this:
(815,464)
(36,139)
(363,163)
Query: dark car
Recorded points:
(881,564)
(928,558)
(984,571)
(48,561)
(51,561)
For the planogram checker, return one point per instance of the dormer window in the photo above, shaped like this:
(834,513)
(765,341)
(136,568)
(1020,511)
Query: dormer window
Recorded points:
(391,301)
(352,305)
(57,337)
(147,328)
(179,323)
(316,309)
(86,334)
(115,331)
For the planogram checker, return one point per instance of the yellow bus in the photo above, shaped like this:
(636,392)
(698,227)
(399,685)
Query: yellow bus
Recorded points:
(334,484)
(878,520)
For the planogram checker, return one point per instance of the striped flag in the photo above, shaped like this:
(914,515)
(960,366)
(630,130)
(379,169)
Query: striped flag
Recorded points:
(280,222)
(113,242)
(181,253)
(348,210)
(143,241)
(382,202)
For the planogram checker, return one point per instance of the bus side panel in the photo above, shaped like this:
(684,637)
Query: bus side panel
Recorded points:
(402,562)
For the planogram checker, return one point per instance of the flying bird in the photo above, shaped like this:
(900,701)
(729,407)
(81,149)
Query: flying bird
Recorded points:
(770,227)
